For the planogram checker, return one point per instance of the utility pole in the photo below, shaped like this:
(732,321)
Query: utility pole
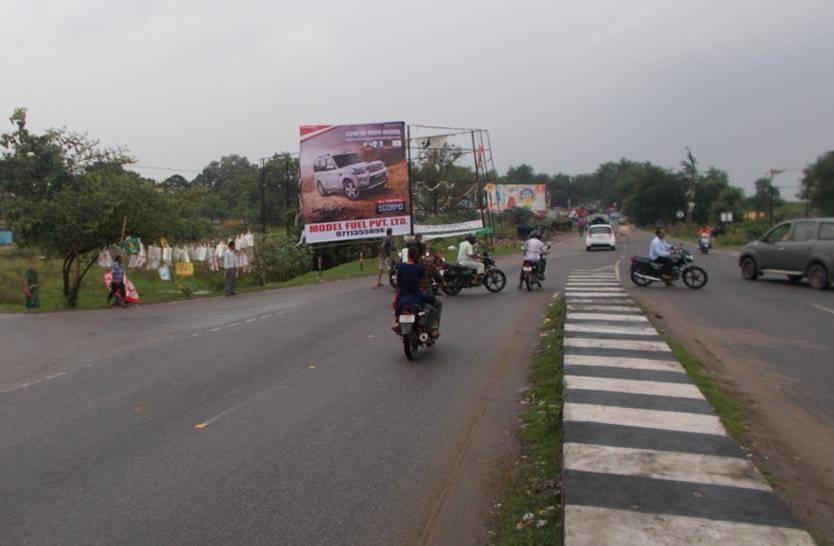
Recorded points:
(287,190)
(263,195)
(690,192)
(771,173)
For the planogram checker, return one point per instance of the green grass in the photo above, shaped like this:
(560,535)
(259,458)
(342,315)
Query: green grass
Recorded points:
(93,294)
(533,485)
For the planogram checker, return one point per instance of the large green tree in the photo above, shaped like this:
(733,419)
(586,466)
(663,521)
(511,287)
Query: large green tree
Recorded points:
(818,184)
(69,196)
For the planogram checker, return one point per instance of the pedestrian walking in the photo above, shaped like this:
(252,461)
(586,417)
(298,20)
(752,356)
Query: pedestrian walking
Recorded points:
(386,247)
(30,288)
(230,265)
(117,282)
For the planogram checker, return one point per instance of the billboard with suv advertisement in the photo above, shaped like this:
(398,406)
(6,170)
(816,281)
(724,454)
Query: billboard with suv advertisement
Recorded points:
(507,196)
(354,181)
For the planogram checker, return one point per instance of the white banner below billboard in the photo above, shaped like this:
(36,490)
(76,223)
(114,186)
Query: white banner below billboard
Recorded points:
(472,225)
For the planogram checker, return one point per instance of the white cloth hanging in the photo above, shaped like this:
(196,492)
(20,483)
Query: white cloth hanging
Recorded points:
(154,256)
(105,260)
(167,255)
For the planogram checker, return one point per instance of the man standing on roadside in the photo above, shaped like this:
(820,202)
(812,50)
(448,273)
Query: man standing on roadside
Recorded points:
(229,264)
(385,260)
(117,282)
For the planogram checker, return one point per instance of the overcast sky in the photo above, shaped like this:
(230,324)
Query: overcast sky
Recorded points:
(561,85)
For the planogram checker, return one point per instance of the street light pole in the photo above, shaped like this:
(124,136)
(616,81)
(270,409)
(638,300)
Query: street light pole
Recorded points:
(263,195)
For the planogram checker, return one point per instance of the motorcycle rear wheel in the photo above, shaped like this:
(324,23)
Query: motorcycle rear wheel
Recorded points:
(392,278)
(694,277)
(639,281)
(495,280)
(410,345)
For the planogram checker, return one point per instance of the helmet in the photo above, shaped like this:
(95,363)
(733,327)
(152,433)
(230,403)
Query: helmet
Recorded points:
(535,234)
(471,238)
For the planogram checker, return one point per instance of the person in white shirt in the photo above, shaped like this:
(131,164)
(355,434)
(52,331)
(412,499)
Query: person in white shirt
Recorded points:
(534,250)
(467,256)
(230,265)
(659,252)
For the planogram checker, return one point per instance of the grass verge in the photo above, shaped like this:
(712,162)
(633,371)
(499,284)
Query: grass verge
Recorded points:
(529,512)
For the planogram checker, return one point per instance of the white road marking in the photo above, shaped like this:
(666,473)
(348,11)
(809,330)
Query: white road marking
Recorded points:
(622,302)
(232,325)
(599,329)
(215,329)
(194,335)
(591,526)
(633,386)
(624,362)
(655,419)
(265,316)
(606,289)
(664,465)
(54,376)
(614,306)
(823,308)
(595,294)
(617,270)
(606,316)
(624,344)
(250,320)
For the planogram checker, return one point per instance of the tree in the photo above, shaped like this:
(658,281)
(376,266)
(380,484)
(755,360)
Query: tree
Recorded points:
(69,196)
(709,187)
(818,184)
(730,199)
(523,174)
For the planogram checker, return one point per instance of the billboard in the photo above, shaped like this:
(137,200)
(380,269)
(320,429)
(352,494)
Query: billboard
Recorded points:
(354,181)
(507,196)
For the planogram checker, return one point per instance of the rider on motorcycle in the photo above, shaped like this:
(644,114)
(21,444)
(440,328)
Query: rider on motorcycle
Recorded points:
(409,275)
(468,258)
(660,252)
(534,250)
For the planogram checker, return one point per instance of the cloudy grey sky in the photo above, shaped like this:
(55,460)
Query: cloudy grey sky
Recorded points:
(562,85)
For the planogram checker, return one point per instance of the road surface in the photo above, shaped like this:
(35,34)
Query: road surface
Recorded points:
(771,343)
(280,417)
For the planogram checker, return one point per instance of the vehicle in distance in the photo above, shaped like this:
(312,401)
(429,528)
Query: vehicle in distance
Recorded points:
(797,248)
(600,236)
(346,173)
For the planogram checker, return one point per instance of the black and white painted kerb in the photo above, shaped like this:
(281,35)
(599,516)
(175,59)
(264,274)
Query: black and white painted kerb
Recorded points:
(646,460)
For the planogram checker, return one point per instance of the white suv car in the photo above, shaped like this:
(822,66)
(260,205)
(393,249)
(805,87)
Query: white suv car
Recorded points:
(600,235)
(347,173)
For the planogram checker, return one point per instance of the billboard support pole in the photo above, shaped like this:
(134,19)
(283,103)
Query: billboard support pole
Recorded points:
(408,169)
(478,179)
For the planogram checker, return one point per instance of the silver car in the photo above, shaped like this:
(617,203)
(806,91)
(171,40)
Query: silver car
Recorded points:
(796,248)
(346,173)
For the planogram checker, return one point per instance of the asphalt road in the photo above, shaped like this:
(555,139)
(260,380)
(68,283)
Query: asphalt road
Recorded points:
(771,343)
(280,417)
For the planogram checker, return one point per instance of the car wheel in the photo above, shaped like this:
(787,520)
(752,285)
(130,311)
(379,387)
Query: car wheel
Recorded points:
(351,191)
(749,270)
(587,249)
(818,277)
(613,248)
(320,189)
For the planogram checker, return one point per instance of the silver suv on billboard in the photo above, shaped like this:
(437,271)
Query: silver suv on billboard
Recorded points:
(346,173)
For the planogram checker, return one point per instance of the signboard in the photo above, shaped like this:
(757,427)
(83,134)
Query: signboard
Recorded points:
(354,181)
(473,225)
(507,196)
(726,217)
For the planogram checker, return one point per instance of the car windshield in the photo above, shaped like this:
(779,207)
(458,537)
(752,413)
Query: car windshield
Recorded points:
(597,230)
(343,160)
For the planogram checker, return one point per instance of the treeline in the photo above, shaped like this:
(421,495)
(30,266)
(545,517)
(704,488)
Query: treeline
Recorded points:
(647,192)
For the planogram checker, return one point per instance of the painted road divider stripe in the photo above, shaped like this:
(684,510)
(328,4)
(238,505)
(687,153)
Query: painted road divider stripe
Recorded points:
(623,344)
(638,401)
(593,525)
(600,329)
(664,465)
(659,388)
(630,417)
(623,362)
(606,317)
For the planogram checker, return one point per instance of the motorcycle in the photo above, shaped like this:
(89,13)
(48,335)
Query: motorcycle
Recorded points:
(459,277)
(532,274)
(704,244)
(414,328)
(439,263)
(645,271)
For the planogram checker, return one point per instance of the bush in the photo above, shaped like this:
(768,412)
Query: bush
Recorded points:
(277,258)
